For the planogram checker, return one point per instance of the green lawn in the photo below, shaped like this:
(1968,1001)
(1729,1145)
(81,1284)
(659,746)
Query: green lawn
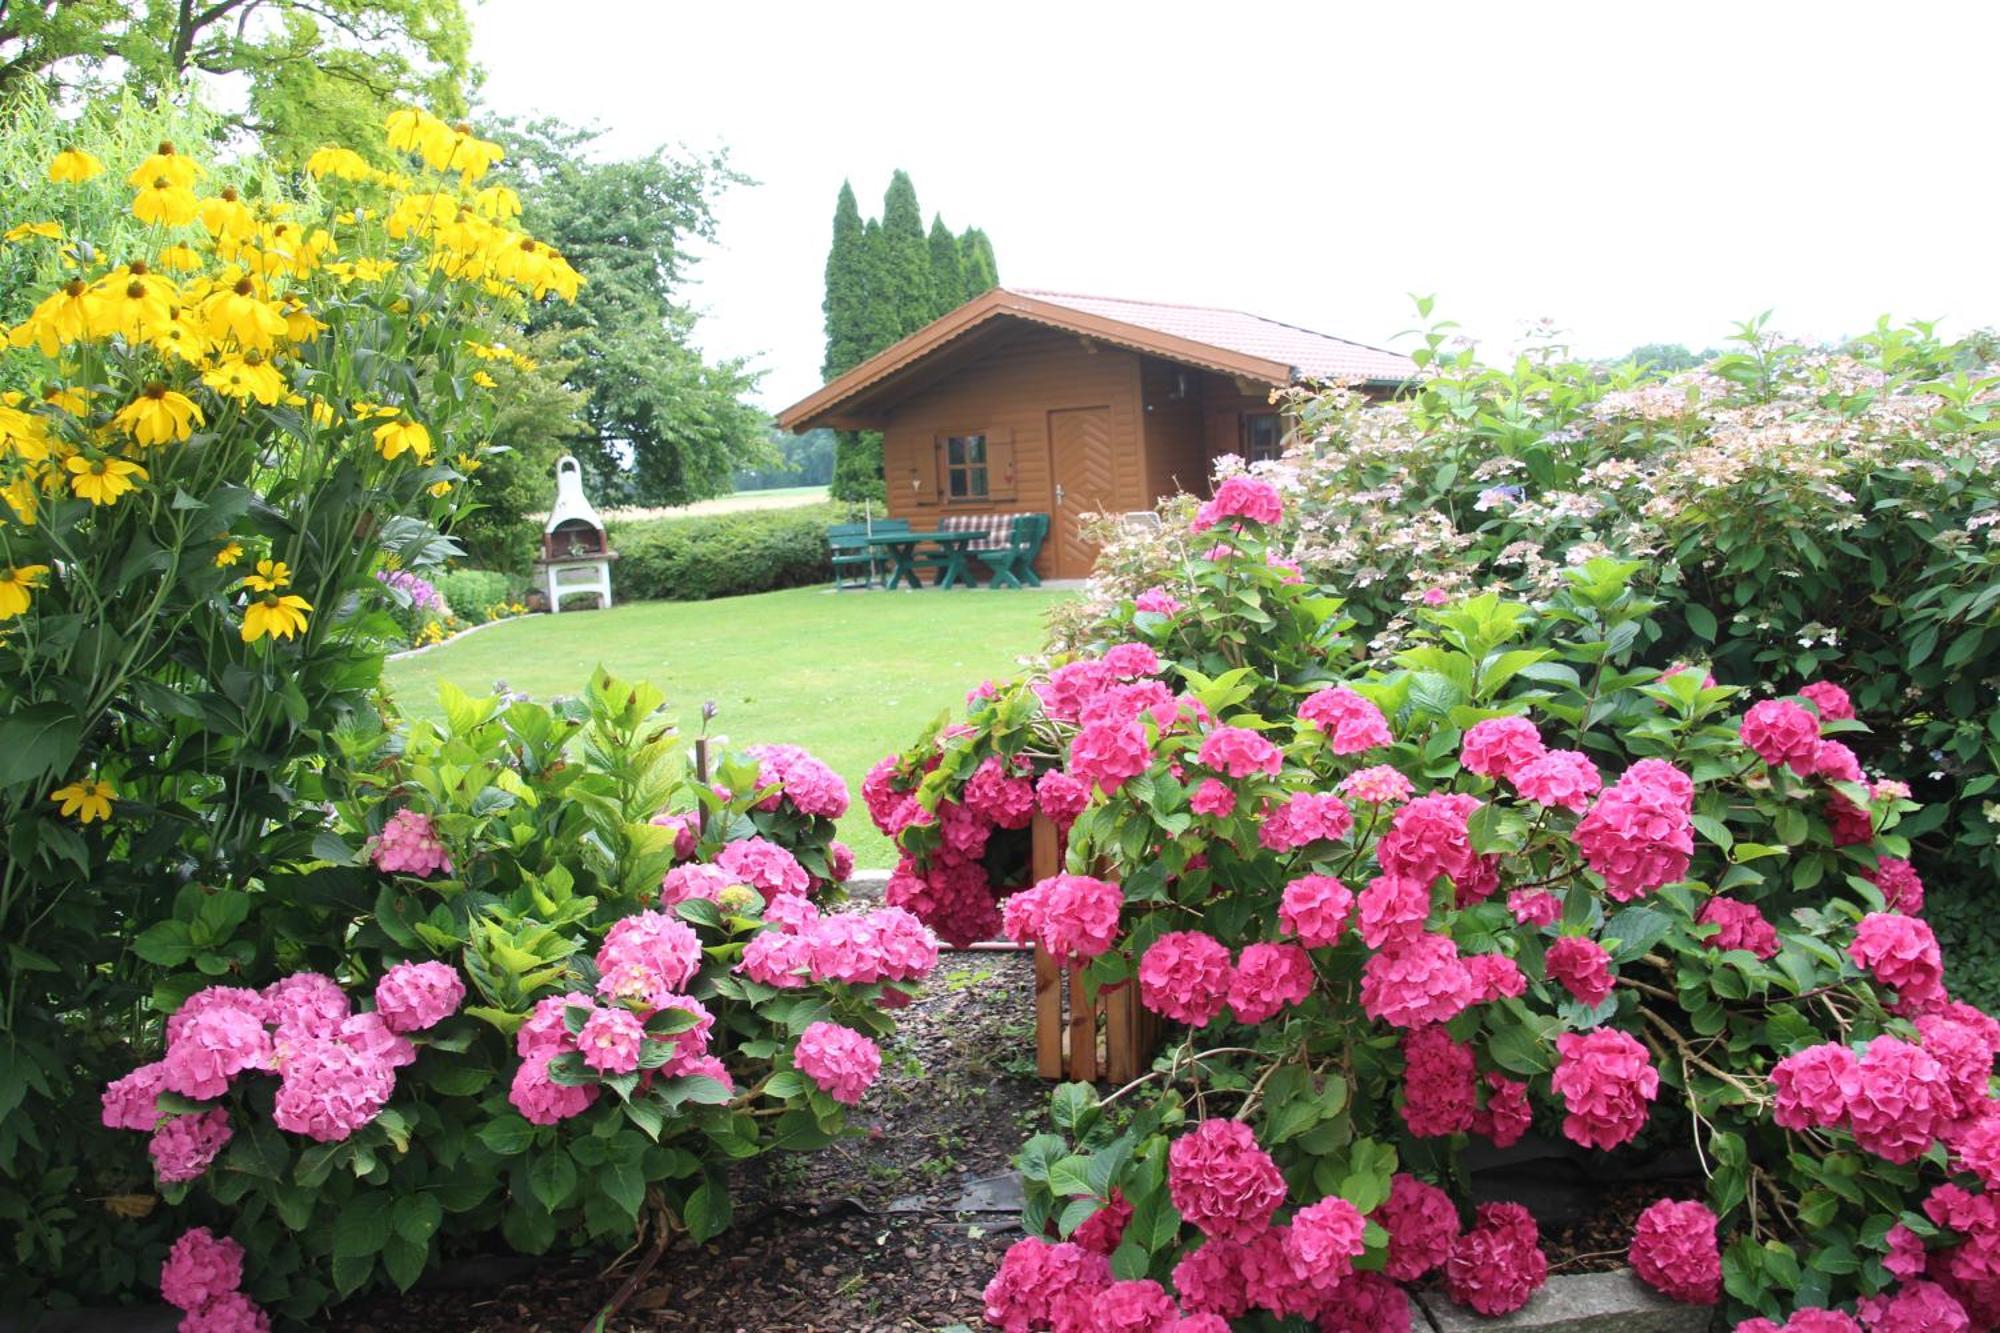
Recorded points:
(850,676)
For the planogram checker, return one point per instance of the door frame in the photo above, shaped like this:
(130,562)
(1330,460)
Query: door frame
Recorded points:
(1056,568)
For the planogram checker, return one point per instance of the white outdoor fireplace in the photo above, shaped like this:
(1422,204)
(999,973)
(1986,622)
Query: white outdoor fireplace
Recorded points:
(576,554)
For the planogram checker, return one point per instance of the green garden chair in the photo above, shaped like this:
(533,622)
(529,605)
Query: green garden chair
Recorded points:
(1013,565)
(851,556)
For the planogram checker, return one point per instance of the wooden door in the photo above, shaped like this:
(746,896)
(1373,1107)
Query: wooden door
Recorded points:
(1080,461)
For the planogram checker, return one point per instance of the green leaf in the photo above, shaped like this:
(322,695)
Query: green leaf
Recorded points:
(418,1217)
(552,1177)
(507,1134)
(404,1261)
(1637,930)
(624,1184)
(362,1226)
(708,1210)
(1700,621)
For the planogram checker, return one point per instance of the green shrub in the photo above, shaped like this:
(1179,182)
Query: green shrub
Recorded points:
(722,555)
(469,592)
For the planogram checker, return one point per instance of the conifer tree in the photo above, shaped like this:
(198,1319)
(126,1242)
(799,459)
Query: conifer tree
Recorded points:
(947,274)
(975,256)
(904,259)
(846,303)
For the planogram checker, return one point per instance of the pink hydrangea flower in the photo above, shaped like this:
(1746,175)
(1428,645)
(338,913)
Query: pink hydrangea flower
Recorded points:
(232,1312)
(413,996)
(1428,838)
(1071,916)
(686,833)
(1214,799)
(257,1005)
(1107,754)
(842,1061)
(132,1102)
(999,795)
(206,1053)
(1581,967)
(409,845)
(1781,732)
(695,879)
(1132,659)
(1674,1251)
(304,1004)
(543,1101)
(1241,496)
(1416,981)
(1899,1099)
(879,791)
(1435,596)
(1836,763)
(1103,1229)
(1239,752)
(183,1147)
(1535,907)
(610,1041)
(1222,1182)
(1495,747)
(201,1268)
(1136,1305)
(1914,1307)
(1157,601)
(1978,1151)
(1421,1222)
(812,788)
(1849,823)
(1806,1319)
(1606,1082)
(764,866)
(1440,1086)
(1496,1266)
(1898,952)
(1378,784)
(1305,818)
(1494,976)
(1901,889)
(1906,1257)
(546,1031)
(369,1037)
(330,1089)
(1742,926)
(1269,977)
(1314,910)
(1209,1279)
(1393,910)
(1351,723)
(657,952)
(1185,975)
(1640,835)
(1324,1241)
(1506,1117)
(1034,1276)
(1365,1303)
(1060,796)
(1072,685)
(1809,1087)
(1830,699)
(1560,779)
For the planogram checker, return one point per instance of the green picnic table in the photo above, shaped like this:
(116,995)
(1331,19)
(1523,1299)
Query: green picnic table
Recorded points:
(902,549)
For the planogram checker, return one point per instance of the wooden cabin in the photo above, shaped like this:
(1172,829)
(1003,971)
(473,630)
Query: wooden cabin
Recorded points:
(1042,402)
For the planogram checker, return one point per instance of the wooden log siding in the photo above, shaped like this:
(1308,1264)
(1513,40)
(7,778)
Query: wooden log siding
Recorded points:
(1078,1036)
(1007,393)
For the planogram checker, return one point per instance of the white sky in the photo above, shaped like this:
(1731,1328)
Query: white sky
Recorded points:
(1638,173)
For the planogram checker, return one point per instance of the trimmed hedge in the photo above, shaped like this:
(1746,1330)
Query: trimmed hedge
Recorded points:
(468,592)
(722,555)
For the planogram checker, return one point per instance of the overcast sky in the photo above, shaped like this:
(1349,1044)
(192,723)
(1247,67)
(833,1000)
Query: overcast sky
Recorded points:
(1636,173)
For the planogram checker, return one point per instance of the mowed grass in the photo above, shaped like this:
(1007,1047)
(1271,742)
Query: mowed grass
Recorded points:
(850,676)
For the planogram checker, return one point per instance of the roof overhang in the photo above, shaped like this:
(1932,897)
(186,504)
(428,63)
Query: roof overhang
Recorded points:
(851,401)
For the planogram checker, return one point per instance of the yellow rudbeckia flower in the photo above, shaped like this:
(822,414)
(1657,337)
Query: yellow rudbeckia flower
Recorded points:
(47,230)
(279,616)
(24,436)
(271,575)
(162,203)
(469,463)
(23,499)
(179,259)
(158,416)
(103,480)
(344,163)
(181,172)
(237,312)
(62,318)
(242,377)
(68,399)
(73,166)
(393,438)
(224,214)
(85,801)
(16,584)
(231,552)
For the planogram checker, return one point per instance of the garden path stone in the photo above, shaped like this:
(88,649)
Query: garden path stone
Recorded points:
(1578,1303)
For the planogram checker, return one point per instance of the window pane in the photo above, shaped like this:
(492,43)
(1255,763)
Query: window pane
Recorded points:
(978,476)
(1263,436)
(975,449)
(957,483)
(954,451)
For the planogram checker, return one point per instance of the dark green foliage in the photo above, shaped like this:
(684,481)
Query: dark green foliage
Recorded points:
(947,273)
(468,592)
(846,300)
(902,262)
(722,555)
(1669,357)
(981,271)
(803,460)
(662,425)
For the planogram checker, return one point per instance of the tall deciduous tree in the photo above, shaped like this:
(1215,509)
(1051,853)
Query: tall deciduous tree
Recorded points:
(316,71)
(947,273)
(663,425)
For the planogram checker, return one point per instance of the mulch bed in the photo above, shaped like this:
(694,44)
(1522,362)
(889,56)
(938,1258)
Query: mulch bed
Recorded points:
(864,1236)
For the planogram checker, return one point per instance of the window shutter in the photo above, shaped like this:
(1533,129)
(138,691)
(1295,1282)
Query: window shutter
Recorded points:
(931,493)
(1000,482)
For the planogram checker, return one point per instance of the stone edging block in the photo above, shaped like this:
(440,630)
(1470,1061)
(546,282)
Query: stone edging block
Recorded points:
(1577,1303)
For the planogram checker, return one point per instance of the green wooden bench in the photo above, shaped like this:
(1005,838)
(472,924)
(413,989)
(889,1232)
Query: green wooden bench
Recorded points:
(1013,564)
(856,564)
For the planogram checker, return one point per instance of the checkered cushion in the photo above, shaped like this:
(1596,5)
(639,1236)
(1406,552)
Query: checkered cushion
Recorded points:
(994,529)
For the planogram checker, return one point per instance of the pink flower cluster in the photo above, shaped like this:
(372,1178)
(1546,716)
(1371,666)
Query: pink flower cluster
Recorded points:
(1305,818)
(1242,497)
(183,1146)
(1901,889)
(1352,724)
(1428,837)
(1606,1081)
(1239,752)
(1806,1319)
(1314,910)
(1440,1087)
(1185,975)
(1222,1182)
(1640,834)
(1497,747)
(1422,1223)
(1782,733)
(203,1277)
(1074,917)
(411,997)
(1560,779)
(843,1062)
(1268,978)
(1674,1251)
(409,845)
(1497,1265)
(1582,967)
(859,949)
(1414,981)
(1739,926)
(1901,953)
(1157,601)
(764,866)
(810,786)
(999,794)
(647,957)
(1378,784)
(1036,1279)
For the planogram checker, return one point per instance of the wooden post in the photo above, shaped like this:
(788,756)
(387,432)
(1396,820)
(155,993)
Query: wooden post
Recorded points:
(1067,1036)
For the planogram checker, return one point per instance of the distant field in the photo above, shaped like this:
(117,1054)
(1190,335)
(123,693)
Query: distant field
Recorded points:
(781,497)
(850,676)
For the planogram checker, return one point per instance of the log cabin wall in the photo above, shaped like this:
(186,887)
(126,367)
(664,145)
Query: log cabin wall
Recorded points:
(1007,394)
